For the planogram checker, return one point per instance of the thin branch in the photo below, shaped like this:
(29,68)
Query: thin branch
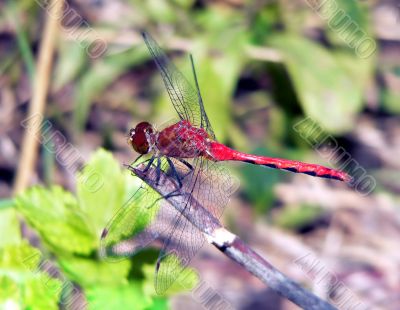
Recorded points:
(228,243)
(37,105)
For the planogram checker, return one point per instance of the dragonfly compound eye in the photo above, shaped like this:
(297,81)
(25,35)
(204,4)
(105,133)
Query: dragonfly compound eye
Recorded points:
(138,137)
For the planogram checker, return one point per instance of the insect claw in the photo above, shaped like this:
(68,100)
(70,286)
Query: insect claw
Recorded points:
(149,164)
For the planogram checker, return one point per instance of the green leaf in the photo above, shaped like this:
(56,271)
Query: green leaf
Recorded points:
(159,303)
(21,257)
(71,60)
(56,216)
(129,296)
(22,284)
(295,217)
(42,292)
(88,272)
(347,21)
(360,70)
(264,22)
(101,189)
(184,3)
(161,11)
(328,93)
(9,227)
(10,294)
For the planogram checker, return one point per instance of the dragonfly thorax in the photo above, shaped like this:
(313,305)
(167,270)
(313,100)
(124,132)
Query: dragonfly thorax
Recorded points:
(142,137)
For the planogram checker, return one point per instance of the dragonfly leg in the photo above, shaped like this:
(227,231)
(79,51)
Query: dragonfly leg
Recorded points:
(158,171)
(186,163)
(137,158)
(151,160)
(174,193)
(174,172)
(132,164)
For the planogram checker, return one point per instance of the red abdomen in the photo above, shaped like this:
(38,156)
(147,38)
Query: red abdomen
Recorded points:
(220,152)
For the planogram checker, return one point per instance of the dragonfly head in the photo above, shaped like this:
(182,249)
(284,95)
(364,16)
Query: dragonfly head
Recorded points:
(141,137)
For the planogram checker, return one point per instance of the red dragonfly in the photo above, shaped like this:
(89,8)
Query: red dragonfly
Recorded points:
(188,151)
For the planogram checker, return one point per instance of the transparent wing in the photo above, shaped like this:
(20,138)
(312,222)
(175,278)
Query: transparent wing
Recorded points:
(146,217)
(185,98)
(136,224)
(209,184)
(130,230)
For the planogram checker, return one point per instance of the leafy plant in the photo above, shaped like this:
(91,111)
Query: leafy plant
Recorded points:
(69,228)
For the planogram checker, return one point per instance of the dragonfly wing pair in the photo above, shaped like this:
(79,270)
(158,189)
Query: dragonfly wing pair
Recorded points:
(142,221)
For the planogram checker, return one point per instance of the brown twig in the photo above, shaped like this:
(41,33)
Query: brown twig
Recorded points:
(228,243)
(37,105)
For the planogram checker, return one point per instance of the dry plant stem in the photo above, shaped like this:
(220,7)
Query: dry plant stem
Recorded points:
(37,105)
(230,244)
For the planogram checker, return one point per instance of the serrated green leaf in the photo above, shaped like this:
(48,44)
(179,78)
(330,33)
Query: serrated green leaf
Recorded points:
(9,292)
(56,216)
(9,228)
(327,92)
(19,257)
(22,284)
(42,292)
(101,189)
(128,296)
(33,293)
(88,272)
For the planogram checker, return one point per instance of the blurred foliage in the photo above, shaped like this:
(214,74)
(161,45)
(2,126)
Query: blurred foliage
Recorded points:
(98,77)
(331,99)
(69,228)
(317,74)
(297,217)
(22,283)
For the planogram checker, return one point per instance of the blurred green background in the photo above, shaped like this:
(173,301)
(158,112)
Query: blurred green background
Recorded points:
(263,67)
